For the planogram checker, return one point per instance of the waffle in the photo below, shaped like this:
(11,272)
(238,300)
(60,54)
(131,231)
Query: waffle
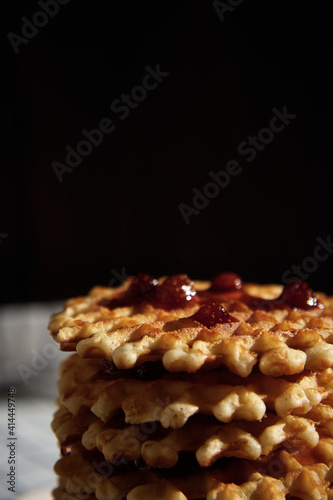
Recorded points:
(207,439)
(226,403)
(195,390)
(75,371)
(69,429)
(281,342)
(283,474)
(173,399)
(204,436)
(61,494)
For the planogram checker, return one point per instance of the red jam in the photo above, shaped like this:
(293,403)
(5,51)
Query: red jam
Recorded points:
(141,285)
(212,314)
(296,294)
(299,294)
(141,289)
(226,282)
(178,291)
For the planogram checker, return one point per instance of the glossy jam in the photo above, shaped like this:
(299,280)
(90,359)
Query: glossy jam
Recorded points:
(141,285)
(296,294)
(299,294)
(141,289)
(226,282)
(178,291)
(212,314)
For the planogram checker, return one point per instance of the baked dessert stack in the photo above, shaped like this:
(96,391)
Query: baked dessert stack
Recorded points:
(195,390)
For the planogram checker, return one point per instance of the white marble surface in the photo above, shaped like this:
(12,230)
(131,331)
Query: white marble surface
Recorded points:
(27,349)
(43,494)
(29,361)
(36,450)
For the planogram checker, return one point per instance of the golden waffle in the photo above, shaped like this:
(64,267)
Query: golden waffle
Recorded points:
(103,398)
(205,437)
(228,403)
(75,371)
(69,429)
(278,477)
(196,390)
(281,342)
(61,494)
(173,399)
(77,472)
(300,472)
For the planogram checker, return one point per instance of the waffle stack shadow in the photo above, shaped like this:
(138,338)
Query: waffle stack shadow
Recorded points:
(180,390)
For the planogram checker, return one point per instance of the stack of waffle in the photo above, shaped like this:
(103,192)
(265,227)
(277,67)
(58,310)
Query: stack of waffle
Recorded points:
(191,390)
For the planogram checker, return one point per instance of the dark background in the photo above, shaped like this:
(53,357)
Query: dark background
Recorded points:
(117,212)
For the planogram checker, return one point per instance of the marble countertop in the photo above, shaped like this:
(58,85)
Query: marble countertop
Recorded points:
(36,448)
(29,361)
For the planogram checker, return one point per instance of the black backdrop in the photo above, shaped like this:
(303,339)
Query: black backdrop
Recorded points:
(117,212)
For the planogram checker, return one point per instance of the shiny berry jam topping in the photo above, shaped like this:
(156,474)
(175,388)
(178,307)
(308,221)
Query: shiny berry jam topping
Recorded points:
(176,291)
(299,294)
(211,314)
(140,289)
(296,294)
(142,284)
(226,282)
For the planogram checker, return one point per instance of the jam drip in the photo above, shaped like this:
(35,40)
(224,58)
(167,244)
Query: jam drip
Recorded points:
(226,282)
(296,294)
(212,314)
(176,291)
(299,294)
